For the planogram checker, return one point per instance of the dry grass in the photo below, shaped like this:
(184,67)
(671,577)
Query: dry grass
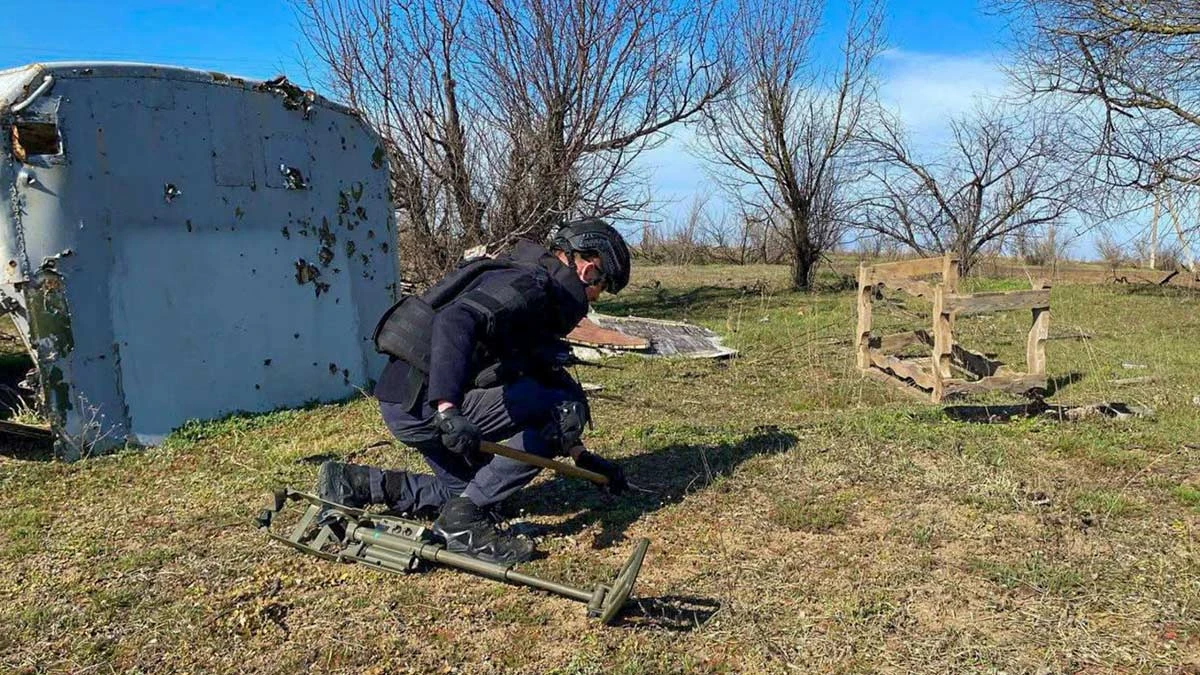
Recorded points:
(803,519)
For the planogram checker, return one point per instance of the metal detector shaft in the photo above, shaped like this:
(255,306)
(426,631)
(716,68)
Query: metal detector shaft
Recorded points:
(337,533)
(537,460)
(438,554)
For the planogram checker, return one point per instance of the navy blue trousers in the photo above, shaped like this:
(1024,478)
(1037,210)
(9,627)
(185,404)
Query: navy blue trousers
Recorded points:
(514,414)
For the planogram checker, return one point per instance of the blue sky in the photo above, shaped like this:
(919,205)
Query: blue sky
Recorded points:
(258,38)
(942,56)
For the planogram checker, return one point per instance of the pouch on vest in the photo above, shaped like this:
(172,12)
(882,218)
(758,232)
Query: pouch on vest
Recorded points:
(405,332)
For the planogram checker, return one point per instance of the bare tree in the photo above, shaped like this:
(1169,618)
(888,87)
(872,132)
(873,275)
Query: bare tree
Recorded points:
(1112,253)
(501,117)
(731,240)
(1132,67)
(1004,172)
(779,144)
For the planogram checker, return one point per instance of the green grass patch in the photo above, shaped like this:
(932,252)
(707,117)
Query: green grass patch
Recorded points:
(1104,503)
(813,513)
(1033,573)
(1188,495)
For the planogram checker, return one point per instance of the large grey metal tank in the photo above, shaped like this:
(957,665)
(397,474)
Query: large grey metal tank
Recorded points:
(178,244)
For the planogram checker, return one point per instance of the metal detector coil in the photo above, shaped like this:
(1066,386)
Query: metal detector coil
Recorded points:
(341,534)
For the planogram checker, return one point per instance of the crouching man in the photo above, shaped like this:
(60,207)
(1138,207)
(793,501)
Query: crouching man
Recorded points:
(478,356)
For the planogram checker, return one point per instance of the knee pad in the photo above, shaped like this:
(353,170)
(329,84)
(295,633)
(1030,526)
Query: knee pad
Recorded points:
(566,426)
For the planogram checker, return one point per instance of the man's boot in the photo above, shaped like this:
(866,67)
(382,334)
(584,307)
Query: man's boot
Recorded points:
(467,529)
(345,484)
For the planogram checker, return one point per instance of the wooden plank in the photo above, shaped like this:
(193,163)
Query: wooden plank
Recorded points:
(1035,346)
(1148,379)
(920,289)
(903,368)
(862,337)
(1011,384)
(26,431)
(893,381)
(973,362)
(943,339)
(980,303)
(950,273)
(896,341)
(905,269)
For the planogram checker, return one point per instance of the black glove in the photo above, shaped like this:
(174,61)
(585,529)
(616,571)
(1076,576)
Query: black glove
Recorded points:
(610,470)
(459,434)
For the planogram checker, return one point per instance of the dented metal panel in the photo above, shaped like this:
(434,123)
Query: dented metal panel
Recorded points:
(179,244)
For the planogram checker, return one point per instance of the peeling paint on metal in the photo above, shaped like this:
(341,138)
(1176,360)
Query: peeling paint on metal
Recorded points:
(122,299)
(294,98)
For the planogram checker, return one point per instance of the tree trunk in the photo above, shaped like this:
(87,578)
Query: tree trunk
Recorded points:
(804,267)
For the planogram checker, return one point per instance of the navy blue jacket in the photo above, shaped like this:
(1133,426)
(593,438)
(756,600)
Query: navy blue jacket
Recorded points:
(521,336)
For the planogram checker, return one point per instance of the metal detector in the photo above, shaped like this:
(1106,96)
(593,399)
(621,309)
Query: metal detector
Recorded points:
(338,533)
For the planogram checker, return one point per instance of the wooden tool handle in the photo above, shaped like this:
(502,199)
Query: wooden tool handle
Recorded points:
(537,460)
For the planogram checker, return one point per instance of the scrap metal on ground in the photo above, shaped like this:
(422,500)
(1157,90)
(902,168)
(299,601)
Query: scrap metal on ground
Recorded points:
(601,335)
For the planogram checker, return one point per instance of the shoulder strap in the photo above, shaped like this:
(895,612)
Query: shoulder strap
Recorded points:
(454,283)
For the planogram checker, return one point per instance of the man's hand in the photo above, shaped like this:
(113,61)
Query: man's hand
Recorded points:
(459,434)
(610,470)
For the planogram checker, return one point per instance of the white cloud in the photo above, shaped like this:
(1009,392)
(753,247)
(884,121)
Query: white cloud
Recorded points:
(925,90)
(928,90)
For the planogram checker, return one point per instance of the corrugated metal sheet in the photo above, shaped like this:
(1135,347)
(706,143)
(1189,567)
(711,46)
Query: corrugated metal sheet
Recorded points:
(194,245)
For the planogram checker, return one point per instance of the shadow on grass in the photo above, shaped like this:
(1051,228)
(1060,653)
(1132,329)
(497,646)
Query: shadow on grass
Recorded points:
(1060,382)
(1154,290)
(676,613)
(1000,414)
(662,478)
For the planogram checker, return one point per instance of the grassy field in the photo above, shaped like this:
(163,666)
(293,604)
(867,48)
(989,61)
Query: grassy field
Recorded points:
(803,519)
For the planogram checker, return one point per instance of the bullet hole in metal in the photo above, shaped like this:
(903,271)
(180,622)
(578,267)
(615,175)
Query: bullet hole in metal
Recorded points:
(306,272)
(266,362)
(170,192)
(333,369)
(293,179)
(35,138)
(285,232)
(325,234)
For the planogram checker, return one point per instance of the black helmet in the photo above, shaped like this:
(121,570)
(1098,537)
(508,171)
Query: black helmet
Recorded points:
(594,236)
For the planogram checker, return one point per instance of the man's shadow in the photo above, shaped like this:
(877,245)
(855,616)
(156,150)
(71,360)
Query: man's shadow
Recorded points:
(658,479)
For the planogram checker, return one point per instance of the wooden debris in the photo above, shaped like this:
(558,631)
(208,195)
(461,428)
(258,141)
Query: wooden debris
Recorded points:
(936,374)
(1133,380)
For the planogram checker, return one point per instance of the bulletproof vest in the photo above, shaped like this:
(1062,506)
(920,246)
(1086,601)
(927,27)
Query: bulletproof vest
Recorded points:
(405,330)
